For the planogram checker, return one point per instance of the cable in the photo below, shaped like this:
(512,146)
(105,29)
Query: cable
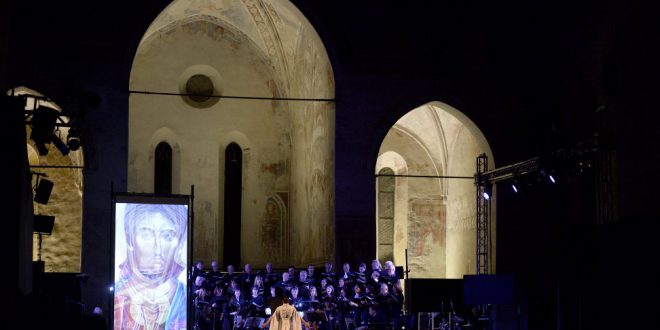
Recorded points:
(426,176)
(234,97)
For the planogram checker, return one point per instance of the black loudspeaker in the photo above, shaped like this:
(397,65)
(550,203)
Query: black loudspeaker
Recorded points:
(399,271)
(435,295)
(43,224)
(43,190)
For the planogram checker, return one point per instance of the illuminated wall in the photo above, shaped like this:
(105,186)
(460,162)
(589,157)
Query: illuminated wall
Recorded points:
(240,48)
(434,218)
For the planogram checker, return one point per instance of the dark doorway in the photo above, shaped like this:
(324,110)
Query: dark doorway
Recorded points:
(233,199)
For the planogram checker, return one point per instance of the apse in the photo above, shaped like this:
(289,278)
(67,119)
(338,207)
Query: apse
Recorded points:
(253,75)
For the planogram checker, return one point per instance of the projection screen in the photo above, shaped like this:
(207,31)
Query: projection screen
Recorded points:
(151,256)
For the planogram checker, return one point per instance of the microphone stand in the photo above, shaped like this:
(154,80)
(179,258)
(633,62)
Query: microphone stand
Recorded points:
(408,294)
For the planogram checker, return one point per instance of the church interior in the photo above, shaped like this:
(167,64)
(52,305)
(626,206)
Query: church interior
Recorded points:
(309,132)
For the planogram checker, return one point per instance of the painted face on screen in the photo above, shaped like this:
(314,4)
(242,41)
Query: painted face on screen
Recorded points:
(156,241)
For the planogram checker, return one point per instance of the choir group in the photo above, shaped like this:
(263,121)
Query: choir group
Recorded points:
(325,300)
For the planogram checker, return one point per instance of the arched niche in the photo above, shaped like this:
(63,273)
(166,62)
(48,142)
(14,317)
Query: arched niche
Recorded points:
(434,215)
(393,161)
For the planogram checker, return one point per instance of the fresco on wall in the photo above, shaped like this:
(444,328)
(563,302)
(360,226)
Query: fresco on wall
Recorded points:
(426,237)
(275,234)
(258,48)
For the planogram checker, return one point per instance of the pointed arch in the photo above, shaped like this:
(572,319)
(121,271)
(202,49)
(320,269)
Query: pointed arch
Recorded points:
(438,141)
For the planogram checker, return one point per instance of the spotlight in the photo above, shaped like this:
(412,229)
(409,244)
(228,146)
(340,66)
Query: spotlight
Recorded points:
(547,175)
(73,138)
(488,192)
(516,185)
(111,288)
(43,125)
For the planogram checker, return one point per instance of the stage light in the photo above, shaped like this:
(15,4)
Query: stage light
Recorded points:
(517,185)
(43,125)
(60,145)
(73,139)
(111,288)
(548,175)
(488,192)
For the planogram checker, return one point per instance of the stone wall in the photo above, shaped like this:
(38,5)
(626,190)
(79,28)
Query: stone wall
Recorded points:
(250,49)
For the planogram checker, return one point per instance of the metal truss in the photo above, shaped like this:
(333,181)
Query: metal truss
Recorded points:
(483,211)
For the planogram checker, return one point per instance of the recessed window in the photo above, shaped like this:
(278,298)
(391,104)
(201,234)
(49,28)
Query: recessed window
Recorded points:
(200,88)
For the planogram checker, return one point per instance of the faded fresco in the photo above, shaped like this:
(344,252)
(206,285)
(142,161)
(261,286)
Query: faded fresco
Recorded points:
(275,229)
(426,237)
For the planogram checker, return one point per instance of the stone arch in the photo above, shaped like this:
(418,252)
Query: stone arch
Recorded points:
(435,139)
(263,49)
